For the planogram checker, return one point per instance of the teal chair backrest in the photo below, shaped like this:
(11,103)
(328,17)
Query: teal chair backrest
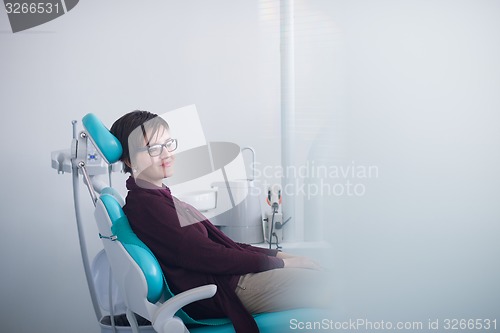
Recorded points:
(111,150)
(145,259)
(135,248)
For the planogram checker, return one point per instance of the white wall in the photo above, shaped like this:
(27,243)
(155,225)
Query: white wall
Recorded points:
(111,57)
(411,87)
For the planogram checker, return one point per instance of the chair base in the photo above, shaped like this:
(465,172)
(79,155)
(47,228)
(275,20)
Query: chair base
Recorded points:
(122,325)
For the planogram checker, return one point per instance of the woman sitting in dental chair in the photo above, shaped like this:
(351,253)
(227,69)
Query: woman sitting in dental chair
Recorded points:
(193,252)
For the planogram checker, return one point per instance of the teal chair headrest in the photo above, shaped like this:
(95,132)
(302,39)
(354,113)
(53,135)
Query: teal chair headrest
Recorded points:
(105,142)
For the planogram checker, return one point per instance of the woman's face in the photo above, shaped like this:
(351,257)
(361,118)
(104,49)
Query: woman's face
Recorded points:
(153,169)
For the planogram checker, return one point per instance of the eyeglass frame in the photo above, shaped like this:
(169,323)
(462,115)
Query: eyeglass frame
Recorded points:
(162,145)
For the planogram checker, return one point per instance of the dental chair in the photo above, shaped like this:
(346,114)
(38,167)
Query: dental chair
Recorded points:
(133,266)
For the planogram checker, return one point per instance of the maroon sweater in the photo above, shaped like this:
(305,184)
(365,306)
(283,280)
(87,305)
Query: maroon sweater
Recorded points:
(196,254)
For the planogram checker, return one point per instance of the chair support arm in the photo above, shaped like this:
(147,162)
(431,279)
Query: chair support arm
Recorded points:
(166,312)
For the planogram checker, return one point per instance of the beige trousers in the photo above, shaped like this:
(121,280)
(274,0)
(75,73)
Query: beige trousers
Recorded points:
(285,288)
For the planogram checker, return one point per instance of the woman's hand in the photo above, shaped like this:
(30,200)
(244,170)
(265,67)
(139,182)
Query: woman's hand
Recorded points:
(300,262)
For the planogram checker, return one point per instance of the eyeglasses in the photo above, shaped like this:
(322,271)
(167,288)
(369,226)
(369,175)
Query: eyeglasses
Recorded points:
(156,150)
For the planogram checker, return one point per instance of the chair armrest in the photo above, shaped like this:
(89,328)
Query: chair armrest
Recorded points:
(164,316)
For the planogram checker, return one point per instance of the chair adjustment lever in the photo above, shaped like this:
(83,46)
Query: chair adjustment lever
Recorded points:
(111,238)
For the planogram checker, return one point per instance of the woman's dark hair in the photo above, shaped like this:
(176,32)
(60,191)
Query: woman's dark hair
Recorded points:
(125,126)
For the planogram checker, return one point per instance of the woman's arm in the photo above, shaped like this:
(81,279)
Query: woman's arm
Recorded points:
(158,226)
(266,251)
(289,260)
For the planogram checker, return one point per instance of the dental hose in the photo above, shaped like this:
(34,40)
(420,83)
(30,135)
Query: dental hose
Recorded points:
(271,232)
